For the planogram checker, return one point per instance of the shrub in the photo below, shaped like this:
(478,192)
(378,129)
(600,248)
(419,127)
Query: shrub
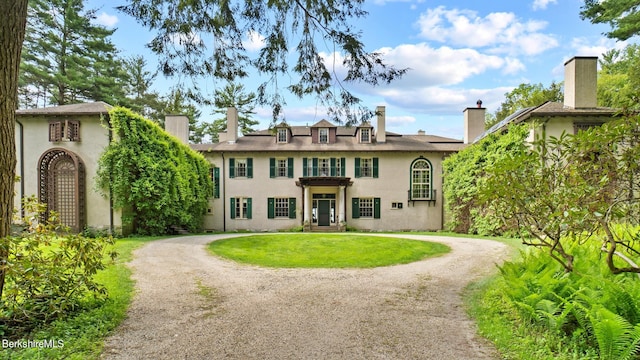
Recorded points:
(48,275)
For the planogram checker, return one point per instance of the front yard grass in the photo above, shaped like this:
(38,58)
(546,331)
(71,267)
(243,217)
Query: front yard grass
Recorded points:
(288,250)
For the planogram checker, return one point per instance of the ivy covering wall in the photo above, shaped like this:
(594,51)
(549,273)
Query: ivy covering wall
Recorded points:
(464,174)
(156,180)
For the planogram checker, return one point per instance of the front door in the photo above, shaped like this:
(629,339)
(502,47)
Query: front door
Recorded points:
(324,210)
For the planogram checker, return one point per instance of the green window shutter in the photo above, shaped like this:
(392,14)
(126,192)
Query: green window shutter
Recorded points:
(250,168)
(315,167)
(355,208)
(271,208)
(232,167)
(375,167)
(272,167)
(248,214)
(333,166)
(357,167)
(233,208)
(290,167)
(304,167)
(376,208)
(343,163)
(292,208)
(216,182)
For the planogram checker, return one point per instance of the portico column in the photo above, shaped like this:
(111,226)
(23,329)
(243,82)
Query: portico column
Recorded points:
(307,204)
(341,217)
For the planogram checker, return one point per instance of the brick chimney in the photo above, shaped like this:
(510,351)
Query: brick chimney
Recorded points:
(381,134)
(178,126)
(473,122)
(231,135)
(580,82)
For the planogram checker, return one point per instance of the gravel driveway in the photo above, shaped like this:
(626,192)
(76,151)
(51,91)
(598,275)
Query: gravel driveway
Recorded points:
(191,305)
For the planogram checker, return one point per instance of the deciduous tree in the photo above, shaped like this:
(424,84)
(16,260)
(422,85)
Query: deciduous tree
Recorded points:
(523,96)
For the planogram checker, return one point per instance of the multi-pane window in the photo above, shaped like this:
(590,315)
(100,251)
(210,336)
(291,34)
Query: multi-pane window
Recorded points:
(282,135)
(282,167)
(577,127)
(324,167)
(241,168)
(366,207)
(365,135)
(282,207)
(421,180)
(241,208)
(338,162)
(323,135)
(366,167)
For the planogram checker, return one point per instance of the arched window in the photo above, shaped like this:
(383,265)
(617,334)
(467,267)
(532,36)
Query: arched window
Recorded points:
(421,179)
(61,182)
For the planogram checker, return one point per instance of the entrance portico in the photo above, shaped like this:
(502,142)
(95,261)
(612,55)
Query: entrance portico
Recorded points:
(324,200)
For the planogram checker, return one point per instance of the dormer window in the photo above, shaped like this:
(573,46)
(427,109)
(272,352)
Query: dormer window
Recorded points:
(282,135)
(365,135)
(323,135)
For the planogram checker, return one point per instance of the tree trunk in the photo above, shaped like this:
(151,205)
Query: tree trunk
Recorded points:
(13,20)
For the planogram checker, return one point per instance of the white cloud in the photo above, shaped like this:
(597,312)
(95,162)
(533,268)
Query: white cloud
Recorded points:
(542,4)
(400,120)
(106,20)
(183,39)
(587,47)
(499,32)
(254,41)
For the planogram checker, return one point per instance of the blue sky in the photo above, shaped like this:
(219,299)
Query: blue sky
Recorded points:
(459,51)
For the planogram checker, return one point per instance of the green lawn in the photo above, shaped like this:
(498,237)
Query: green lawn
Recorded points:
(289,250)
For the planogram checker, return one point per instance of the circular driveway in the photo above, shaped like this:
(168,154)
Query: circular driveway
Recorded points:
(192,305)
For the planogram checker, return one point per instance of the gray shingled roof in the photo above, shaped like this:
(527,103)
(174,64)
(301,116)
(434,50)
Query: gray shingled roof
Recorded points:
(93,108)
(548,108)
(345,141)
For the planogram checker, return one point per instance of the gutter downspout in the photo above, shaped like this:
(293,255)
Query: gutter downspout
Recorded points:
(224,195)
(22,212)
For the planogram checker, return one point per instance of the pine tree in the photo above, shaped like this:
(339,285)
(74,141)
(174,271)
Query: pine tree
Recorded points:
(66,59)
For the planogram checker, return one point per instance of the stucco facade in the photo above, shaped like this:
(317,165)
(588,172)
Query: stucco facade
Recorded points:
(58,150)
(351,177)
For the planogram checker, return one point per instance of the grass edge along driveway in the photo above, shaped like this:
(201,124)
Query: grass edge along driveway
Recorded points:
(324,250)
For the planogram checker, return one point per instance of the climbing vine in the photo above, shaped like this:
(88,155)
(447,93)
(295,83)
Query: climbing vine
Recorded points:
(465,172)
(156,180)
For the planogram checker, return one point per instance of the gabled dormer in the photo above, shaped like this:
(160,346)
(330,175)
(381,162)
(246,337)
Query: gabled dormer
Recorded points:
(283,133)
(364,133)
(323,132)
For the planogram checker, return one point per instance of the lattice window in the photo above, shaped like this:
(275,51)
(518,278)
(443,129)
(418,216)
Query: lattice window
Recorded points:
(64,130)
(62,187)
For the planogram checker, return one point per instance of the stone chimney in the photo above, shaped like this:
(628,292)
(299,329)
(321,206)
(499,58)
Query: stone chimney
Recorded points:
(231,135)
(422,132)
(580,82)
(178,126)
(381,135)
(473,122)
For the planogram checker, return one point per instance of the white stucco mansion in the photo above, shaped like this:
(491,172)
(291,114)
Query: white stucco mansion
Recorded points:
(319,177)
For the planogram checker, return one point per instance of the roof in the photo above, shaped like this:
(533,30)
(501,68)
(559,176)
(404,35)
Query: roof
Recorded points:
(94,108)
(345,141)
(547,109)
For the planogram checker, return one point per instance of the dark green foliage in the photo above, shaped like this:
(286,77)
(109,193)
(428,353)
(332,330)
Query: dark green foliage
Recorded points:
(49,275)
(566,315)
(210,36)
(156,180)
(66,58)
(524,96)
(465,174)
(622,16)
(619,78)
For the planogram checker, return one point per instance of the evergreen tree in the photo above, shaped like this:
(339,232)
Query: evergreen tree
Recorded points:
(140,97)
(66,59)
(232,95)
(622,16)
(177,103)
